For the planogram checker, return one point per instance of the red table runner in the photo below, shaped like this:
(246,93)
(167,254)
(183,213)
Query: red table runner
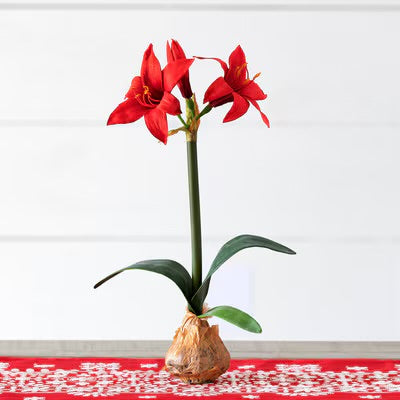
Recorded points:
(134,379)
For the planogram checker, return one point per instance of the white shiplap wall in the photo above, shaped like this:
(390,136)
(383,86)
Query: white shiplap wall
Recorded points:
(79,200)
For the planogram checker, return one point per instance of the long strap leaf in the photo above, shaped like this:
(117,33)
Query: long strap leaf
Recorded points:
(234,316)
(169,268)
(227,251)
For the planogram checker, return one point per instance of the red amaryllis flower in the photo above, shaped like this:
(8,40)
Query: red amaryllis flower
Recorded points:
(175,52)
(149,95)
(235,86)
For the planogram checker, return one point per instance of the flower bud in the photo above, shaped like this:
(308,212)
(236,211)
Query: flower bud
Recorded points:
(175,52)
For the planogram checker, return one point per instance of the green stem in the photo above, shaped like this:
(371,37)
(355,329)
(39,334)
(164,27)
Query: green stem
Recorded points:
(183,121)
(195,224)
(204,111)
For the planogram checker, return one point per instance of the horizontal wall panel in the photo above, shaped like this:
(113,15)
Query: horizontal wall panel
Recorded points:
(325,292)
(308,183)
(195,2)
(232,5)
(63,65)
(328,291)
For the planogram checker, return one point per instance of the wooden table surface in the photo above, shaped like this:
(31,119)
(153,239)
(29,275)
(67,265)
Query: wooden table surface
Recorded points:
(238,349)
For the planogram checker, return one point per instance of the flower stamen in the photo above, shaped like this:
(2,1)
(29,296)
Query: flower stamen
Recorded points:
(145,97)
(240,68)
(247,81)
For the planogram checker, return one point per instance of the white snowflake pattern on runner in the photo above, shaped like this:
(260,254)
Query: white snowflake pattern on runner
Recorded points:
(108,379)
(34,398)
(44,365)
(149,365)
(357,368)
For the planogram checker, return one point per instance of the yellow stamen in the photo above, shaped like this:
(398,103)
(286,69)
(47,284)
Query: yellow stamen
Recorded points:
(240,68)
(247,81)
(145,97)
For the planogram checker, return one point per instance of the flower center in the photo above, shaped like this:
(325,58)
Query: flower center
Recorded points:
(146,90)
(145,97)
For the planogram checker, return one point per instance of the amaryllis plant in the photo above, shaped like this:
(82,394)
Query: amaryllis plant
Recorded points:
(150,96)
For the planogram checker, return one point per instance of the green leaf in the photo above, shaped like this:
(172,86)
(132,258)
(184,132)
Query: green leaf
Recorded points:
(227,251)
(235,317)
(169,268)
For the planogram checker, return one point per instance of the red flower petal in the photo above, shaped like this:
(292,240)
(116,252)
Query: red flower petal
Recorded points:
(151,70)
(263,116)
(136,87)
(252,91)
(223,63)
(177,50)
(237,58)
(239,107)
(170,56)
(156,122)
(218,89)
(174,71)
(128,111)
(170,104)
(237,73)
(184,86)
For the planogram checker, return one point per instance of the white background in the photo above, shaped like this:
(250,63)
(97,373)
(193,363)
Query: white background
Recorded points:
(79,199)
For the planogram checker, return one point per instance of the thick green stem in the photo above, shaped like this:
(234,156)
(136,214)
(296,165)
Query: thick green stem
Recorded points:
(195,223)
